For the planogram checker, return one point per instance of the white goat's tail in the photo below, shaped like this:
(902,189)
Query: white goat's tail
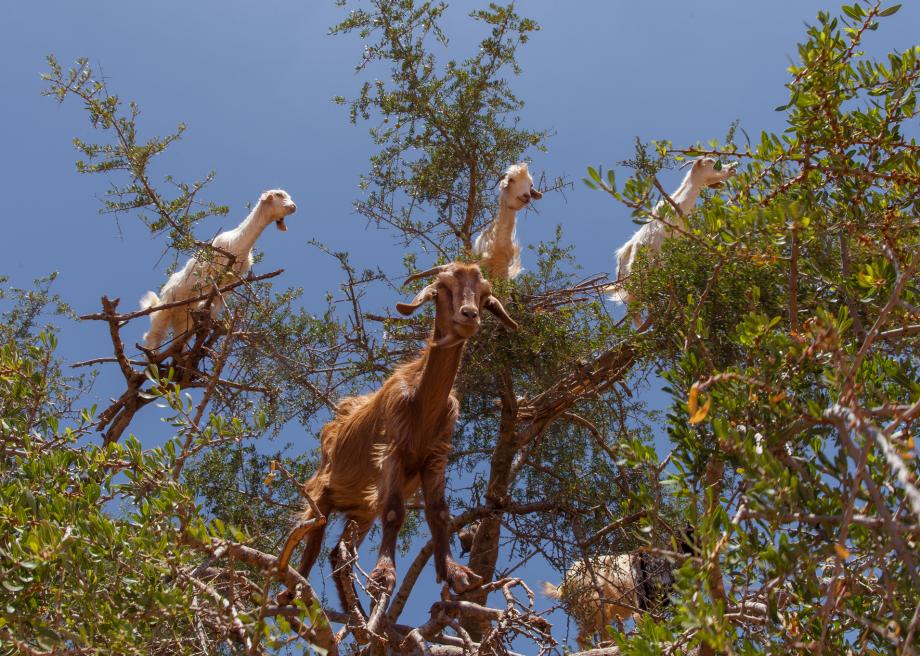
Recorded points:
(552,591)
(617,292)
(153,337)
(149,299)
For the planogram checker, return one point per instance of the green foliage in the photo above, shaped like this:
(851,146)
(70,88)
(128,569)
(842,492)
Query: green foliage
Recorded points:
(445,131)
(99,546)
(130,154)
(786,329)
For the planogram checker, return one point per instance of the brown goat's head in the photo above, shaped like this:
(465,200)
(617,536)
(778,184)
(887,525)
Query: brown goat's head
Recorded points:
(461,294)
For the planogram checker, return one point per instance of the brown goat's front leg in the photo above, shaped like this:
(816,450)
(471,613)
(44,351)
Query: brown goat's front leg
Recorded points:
(393,511)
(459,577)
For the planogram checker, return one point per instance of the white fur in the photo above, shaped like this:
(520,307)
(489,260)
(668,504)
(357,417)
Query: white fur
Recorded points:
(197,276)
(498,244)
(595,597)
(652,234)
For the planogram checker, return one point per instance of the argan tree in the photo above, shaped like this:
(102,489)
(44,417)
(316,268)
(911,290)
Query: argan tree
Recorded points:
(785,326)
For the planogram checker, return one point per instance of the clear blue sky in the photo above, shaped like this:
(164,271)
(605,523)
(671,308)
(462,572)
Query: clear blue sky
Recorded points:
(253,81)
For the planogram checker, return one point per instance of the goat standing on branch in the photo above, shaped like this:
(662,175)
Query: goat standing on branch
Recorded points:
(705,172)
(233,253)
(380,447)
(498,244)
(615,587)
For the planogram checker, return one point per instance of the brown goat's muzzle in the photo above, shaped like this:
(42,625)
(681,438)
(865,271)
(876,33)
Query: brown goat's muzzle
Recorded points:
(466,329)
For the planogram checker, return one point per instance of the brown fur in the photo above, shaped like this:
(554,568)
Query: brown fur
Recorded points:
(380,447)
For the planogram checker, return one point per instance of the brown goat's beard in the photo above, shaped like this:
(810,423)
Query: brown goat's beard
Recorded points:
(449,341)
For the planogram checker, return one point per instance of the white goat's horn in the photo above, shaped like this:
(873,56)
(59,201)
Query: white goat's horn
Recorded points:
(430,272)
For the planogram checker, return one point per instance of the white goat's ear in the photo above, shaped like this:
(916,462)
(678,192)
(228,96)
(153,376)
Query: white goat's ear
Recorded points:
(494,306)
(266,197)
(536,195)
(420,299)
(698,164)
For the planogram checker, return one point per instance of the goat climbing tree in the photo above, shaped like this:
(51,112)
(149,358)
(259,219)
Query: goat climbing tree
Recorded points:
(786,331)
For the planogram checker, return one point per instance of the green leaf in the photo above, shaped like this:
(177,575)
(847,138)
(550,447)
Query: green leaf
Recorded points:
(893,9)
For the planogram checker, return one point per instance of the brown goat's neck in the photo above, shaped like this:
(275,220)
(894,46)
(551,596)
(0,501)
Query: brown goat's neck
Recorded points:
(439,369)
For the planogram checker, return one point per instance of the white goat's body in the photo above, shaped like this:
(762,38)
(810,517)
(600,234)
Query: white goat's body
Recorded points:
(651,236)
(498,244)
(596,596)
(665,219)
(198,276)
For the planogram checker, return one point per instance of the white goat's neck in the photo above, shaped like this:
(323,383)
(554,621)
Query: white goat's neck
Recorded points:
(248,232)
(685,198)
(499,242)
(503,228)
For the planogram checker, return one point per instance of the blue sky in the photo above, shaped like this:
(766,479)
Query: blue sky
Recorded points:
(254,82)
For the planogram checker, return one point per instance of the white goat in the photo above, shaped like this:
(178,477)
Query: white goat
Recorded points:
(703,173)
(497,244)
(614,588)
(198,275)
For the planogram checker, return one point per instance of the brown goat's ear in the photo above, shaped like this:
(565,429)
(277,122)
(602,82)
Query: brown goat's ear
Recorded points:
(536,195)
(421,298)
(494,306)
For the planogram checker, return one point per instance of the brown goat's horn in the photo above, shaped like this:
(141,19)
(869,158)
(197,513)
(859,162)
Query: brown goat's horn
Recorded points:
(441,268)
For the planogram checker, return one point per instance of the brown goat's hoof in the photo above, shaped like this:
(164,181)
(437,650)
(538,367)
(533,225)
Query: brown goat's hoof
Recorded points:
(461,578)
(382,579)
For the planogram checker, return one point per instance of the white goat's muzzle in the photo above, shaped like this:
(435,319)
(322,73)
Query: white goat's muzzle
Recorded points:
(289,209)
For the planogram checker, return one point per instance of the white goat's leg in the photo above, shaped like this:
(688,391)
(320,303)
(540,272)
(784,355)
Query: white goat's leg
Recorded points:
(181,324)
(159,325)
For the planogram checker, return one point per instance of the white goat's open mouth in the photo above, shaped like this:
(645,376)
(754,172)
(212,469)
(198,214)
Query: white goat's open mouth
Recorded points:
(280,225)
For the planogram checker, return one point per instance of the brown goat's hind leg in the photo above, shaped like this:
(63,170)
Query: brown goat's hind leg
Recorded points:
(383,577)
(459,577)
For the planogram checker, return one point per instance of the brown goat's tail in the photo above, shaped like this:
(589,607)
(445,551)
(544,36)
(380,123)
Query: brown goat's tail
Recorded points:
(552,591)
(306,522)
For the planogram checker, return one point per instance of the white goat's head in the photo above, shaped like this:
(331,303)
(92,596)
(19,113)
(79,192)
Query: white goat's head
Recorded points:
(517,187)
(709,172)
(275,205)
(461,294)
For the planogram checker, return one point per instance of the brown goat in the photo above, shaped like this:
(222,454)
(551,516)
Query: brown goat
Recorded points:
(380,447)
